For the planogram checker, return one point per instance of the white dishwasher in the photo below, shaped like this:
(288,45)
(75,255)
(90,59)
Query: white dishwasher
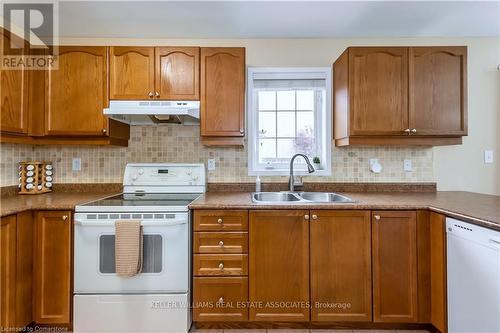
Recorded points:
(473,255)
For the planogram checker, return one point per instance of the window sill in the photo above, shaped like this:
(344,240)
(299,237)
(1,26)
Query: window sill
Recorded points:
(281,172)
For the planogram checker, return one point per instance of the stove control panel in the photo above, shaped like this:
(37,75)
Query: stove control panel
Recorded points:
(164,175)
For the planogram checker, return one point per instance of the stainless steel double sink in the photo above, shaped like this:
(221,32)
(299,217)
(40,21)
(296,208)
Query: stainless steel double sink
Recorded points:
(299,197)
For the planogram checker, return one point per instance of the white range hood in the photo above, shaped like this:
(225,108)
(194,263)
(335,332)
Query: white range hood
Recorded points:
(154,112)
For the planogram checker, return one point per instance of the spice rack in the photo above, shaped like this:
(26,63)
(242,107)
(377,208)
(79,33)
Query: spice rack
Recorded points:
(35,177)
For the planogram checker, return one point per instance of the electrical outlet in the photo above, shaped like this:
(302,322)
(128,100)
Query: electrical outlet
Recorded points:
(488,156)
(211,164)
(76,164)
(407,165)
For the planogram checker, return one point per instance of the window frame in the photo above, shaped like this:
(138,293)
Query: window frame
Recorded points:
(291,73)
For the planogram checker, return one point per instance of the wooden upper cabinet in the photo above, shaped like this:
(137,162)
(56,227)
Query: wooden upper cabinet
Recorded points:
(77,92)
(394,250)
(132,72)
(400,96)
(178,73)
(378,84)
(222,93)
(8,271)
(279,265)
(438,90)
(52,267)
(341,266)
(13,94)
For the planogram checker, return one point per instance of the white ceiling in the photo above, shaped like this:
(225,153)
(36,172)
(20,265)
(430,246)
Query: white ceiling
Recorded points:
(278,19)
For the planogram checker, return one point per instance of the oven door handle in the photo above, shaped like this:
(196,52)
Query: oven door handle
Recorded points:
(157,223)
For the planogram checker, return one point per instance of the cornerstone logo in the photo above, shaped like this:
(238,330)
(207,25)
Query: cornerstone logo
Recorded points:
(30,34)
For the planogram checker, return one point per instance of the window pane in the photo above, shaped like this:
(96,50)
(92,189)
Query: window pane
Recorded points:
(305,124)
(267,150)
(267,100)
(306,145)
(286,124)
(286,100)
(267,124)
(286,148)
(305,100)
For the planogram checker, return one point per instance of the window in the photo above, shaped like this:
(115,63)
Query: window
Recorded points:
(289,112)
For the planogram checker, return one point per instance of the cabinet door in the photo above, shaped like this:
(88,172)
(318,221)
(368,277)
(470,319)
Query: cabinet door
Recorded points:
(178,73)
(132,72)
(77,92)
(7,271)
(438,271)
(52,270)
(222,92)
(438,90)
(13,94)
(279,265)
(394,243)
(341,284)
(378,85)
(24,269)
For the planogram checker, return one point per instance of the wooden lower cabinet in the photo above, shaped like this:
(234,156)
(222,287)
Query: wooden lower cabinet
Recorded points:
(7,272)
(24,269)
(394,247)
(16,257)
(220,298)
(279,265)
(438,271)
(52,267)
(341,284)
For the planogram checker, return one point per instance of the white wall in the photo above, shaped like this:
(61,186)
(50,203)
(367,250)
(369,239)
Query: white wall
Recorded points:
(456,167)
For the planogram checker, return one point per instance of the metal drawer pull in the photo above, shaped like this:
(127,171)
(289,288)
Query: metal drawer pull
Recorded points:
(64,217)
(306,217)
(377,217)
(221,300)
(315,217)
(150,94)
(414,130)
(221,266)
(221,243)
(219,221)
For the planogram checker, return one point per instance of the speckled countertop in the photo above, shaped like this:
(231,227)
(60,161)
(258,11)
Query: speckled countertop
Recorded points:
(47,201)
(477,208)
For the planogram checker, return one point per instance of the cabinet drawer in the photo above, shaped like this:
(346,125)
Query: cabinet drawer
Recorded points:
(220,242)
(220,299)
(220,264)
(221,220)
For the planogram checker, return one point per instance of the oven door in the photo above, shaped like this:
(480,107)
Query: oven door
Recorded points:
(165,255)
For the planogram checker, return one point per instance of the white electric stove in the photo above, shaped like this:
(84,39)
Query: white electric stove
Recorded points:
(157,299)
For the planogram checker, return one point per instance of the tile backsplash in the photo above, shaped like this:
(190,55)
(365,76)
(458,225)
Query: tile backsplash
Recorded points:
(174,143)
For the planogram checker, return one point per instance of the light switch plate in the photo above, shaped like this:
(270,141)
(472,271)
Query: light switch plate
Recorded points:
(211,164)
(488,156)
(407,165)
(76,164)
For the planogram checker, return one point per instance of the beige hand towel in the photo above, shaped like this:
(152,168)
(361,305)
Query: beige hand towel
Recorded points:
(128,248)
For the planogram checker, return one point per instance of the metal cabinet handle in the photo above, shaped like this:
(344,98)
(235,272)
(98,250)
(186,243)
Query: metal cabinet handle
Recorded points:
(221,243)
(407,131)
(414,130)
(104,131)
(221,300)
(221,266)
(377,217)
(150,94)
(306,217)
(219,221)
(315,217)
(64,217)
(157,94)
